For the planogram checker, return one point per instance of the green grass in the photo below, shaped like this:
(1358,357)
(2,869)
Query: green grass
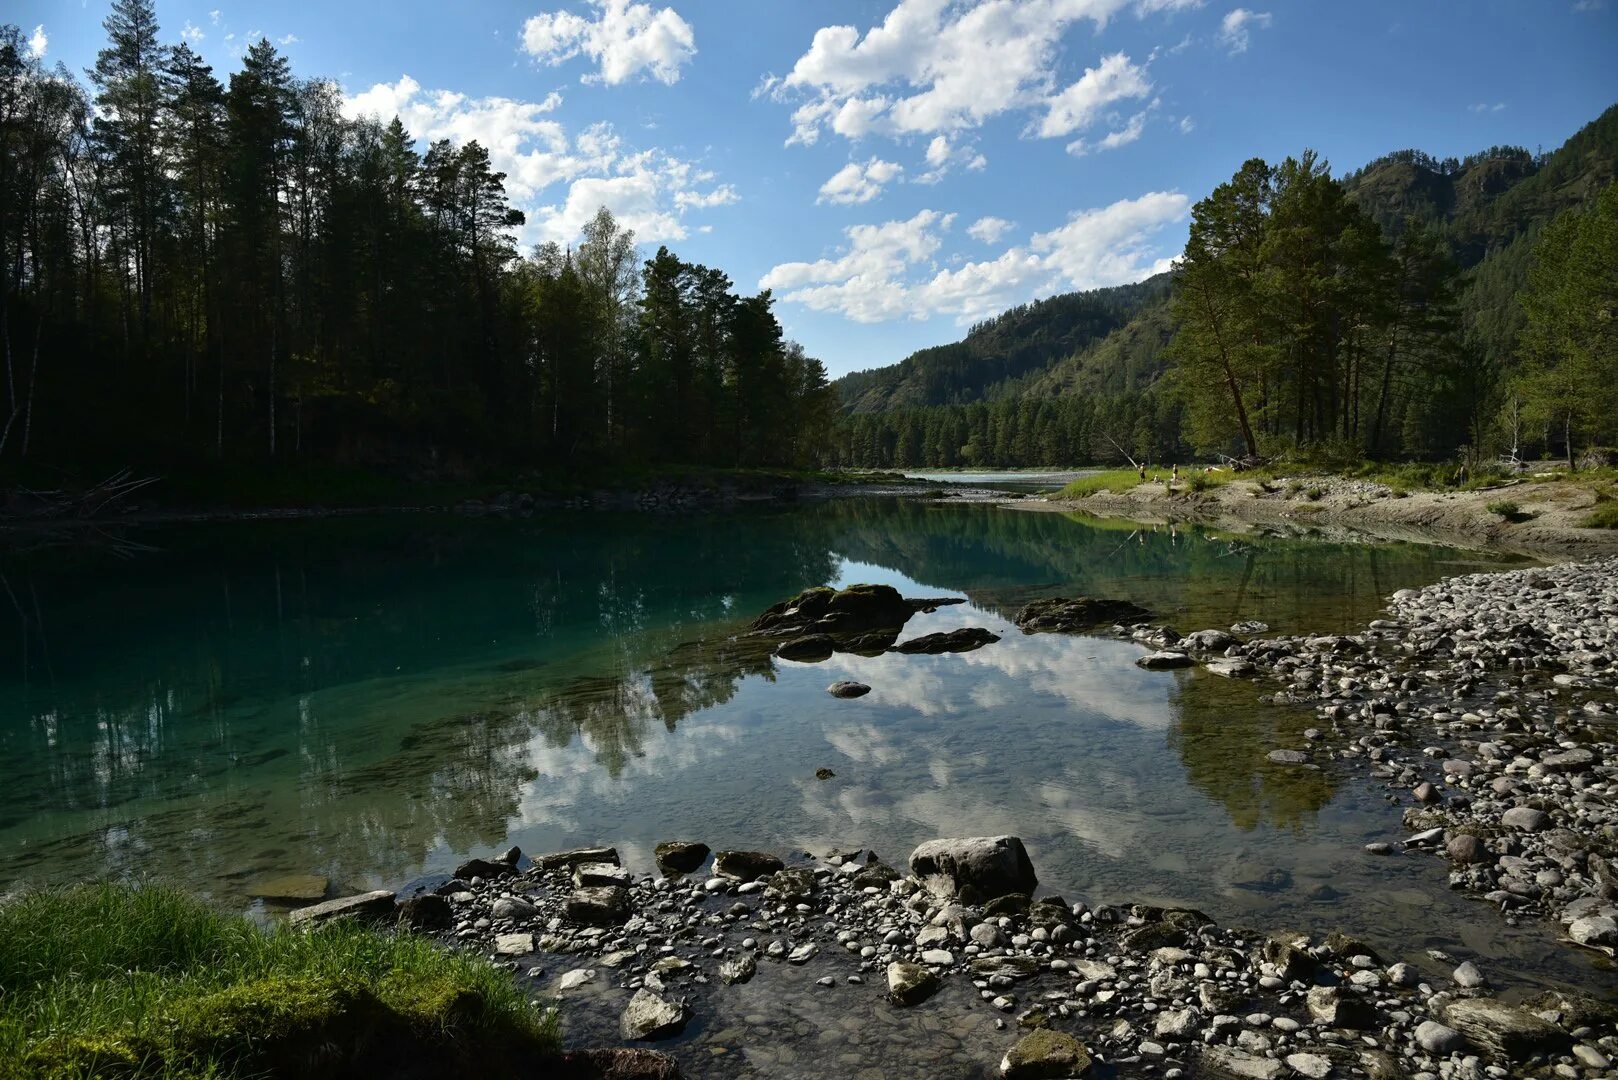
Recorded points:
(1604,515)
(130,982)
(1114,480)
(1508,510)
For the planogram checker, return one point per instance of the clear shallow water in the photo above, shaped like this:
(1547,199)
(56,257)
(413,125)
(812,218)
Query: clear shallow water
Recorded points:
(376,699)
(1007,479)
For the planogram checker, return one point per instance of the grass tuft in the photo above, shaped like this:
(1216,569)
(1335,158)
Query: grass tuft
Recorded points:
(1604,515)
(1117,481)
(1508,510)
(134,982)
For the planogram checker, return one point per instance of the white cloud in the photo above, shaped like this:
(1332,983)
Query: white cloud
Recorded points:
(38,42)
(192,33)
(989,230)
(288,39)
(889,271)
(1113,139)
(1485,107)
(650,191)
(624,39)
(1116,78)
(1236,29)
(942,155)
(940,66)
(859,183)
(1187,125)
(214,16)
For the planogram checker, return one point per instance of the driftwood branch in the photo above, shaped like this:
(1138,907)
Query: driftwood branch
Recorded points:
(91,502)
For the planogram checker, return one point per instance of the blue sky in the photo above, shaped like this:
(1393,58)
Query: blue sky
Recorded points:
(897,169)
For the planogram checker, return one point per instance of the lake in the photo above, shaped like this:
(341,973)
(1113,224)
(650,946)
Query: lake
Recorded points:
(374,699)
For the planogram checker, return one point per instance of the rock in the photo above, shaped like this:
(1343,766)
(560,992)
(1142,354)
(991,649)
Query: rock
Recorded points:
(856,609)
(291,888)
(1045,1053)
(623,1063)
(1071,615)
(974,869)
(1526,819)
(1468,977)
(1008,967)
(938,958)
(910,984)
(1178,1024)
(1313,1066)
(1439,1040)
(510,907)
(574,979)
(803,953)
(745,865)
(847,688)
(824,773)
(1163,661)
(1502,1029)
(1211,641)
(963,640)
(483,868)
(738,969)
(808,649)
(795,886)
(1467,849)
(513,944)
(1339,1009)
(1289,757)
(1226,1061)
(1597,932)
(604,906)
(1229,668)
(366,907)
(680,856)
(429,912)
(651,1016)
(597,874)
(558,859)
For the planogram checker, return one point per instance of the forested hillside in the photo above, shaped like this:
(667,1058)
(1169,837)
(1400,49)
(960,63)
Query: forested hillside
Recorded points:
(204,270)
(1416,350)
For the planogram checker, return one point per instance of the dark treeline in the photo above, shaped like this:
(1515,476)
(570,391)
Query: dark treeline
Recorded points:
(195,270)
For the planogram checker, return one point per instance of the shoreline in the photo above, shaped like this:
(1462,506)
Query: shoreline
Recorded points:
(1458,519)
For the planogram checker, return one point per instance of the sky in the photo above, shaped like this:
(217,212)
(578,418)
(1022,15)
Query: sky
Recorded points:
(896,170)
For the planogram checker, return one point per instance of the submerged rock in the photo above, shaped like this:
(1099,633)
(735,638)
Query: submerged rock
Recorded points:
(1067,615)
(1045,1054)
(652,1016)
(1164,661)
(680,856)
(366,907)
(291,888)
(807,649)
(974,868)
(910,984)
(963,640)
(622,1063)
(745,865)
(847,688)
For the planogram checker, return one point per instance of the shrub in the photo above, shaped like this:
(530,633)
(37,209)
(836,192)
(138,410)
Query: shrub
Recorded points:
(1314,494)
(1508,510)
(1604,515)
(1115,480)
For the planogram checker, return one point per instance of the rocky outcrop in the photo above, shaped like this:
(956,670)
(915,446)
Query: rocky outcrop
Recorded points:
(953,641)
(652,1016)
(366,907)
(745,865)
(680,856)
(861,619)
(1074,615)
(847,688)
(974,868)
(1045,1055)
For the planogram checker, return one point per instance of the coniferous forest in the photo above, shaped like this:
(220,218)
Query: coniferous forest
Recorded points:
(198,267)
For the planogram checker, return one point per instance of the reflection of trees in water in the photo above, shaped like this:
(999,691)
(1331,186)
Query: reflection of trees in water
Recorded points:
(1223,737)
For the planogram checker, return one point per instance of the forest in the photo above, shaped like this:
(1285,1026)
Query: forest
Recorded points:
(197,271)
(1414,308)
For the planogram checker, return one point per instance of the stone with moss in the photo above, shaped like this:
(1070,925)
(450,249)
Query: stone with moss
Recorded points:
(1044,1053)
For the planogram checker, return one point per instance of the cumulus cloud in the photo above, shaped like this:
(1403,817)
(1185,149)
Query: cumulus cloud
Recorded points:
(38,42)
(192,33)
(1123,136)
(943,155)
(650,191)
(624,39)
(1236,29)
(1187,125)
(859,183)
(944,66)
(1485,107)
(889,271)
(1116,78)
(989,230)
(288,39)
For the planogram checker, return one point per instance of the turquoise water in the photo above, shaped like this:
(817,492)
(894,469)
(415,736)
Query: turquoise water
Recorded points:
(374,699)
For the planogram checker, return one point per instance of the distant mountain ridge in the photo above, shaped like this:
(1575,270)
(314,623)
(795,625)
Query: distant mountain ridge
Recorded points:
(1488,208)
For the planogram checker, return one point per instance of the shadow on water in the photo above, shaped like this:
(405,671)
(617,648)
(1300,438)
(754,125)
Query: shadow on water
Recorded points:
(372,699)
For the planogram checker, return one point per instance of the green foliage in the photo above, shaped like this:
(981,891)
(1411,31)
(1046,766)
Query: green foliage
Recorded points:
(1313,494)
(1117,481)
(1604,515)
(121,981)
(1508,510)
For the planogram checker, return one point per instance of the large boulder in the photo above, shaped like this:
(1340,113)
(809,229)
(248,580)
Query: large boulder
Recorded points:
(1044,1053)
(1069,615)
(910,984)
(1503,1030)
(366,907)
(745,865)
(963,640)
(603,906)
(856,609)
(974,869)
(680,856)
(807,648)
(572,857)
(652,1016)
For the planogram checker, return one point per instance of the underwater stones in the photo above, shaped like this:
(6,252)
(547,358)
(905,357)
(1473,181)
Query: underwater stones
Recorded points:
(598,906)
(366,907)
(1289,757)
(910,984)
(963,640)
(974,869)
(680,856)
(291,888)
(847,688)
(1066,615)
(738,969)
(1164,661)
(483,868)
(745,865)
(1044,1054)
(652,1016)
(807,649)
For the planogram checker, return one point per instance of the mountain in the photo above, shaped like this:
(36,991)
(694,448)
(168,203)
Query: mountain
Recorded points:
(1488,208)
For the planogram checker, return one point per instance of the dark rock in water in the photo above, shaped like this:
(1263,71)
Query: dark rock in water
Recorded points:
(291,888)
(910,984)
(482,868)
(795,886)
(824,773)
(1347,946)
(603,906)
(1502,1029)
(452,886)
(848,689)
(427,912)
(808,649)
(877,875)
(1573,1011)
(1164,661)
(366,907)
(511,856)
(1045,1055)
(745,865)
(575,856)
(974,869)
(620,1064)
(853,610)
(651,1016)
(1009,904)
(874,643)
(1338,1008)
(1068,615)
(680,856)
(963,640)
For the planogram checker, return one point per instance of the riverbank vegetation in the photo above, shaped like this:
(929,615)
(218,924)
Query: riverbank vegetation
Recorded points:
(239,273)
(131,982)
